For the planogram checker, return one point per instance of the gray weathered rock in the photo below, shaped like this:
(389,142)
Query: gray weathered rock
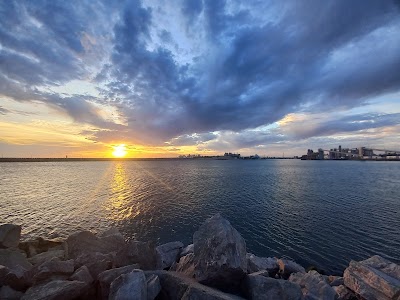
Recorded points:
(188,249)
(201,292)
(135,252)
(107,277)
(96,262)
(343,293)
(17,278)
(335,280)
(177,286)
(39,245)
(261,273)
(113,231)
(53,269)
(85,242)
(261,287)
(185,265)
(82,242)
(219,254)
(153,286)
(82,274)
(374,278)
(12,258)
(56,290)
(129,286)
(7,293)
(9,235)
(255,264)
(3,272)
(287,267)
(313,286)
(40,258)
(168,253)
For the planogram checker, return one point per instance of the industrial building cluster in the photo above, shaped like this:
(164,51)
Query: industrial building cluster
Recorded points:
(350,153)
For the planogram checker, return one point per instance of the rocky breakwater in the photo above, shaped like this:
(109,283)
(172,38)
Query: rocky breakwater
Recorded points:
(215,266)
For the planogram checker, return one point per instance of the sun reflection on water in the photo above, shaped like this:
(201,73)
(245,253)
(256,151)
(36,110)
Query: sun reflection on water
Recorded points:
(119,206)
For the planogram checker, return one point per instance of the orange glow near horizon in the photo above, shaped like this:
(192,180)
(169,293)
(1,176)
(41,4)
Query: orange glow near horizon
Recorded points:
(119,151)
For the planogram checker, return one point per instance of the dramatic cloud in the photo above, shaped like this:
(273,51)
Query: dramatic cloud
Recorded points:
(210,74)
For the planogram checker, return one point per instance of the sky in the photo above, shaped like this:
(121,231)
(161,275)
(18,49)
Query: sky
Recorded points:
(167,78)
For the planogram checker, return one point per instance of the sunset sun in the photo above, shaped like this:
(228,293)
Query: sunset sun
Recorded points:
(119,151)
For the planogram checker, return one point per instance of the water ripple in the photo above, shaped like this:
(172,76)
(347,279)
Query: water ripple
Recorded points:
(318,213)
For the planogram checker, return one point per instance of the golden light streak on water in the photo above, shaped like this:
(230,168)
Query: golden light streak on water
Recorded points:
(118,206)
(94,193)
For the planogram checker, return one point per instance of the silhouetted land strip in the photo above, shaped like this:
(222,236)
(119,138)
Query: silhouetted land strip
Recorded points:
(9,159)
(30,159)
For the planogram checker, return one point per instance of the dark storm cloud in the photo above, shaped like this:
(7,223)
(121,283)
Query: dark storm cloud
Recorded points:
(257,61)
(261,71)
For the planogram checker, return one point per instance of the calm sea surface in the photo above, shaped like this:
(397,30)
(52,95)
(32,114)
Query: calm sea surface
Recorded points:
(320,213)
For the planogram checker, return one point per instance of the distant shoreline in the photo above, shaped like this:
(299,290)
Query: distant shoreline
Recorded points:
(75,159)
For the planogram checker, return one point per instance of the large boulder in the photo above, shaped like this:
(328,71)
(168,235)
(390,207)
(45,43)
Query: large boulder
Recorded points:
(260,287)
(185,265)
(8,293)
(219,254)
(82,274)
(132,285)
(202,292)
(9,235)
(188,249)
(105,279)
(17,278)
(40,258)
(112,239)
(374,278)
(177,286)
(168,253)
(287,267)
(344,293)
(153,286)
(313,286)
(53,269)
(135,252)
(96,262)
(12,258)
(38,245)
(85,242)
(255,264)
(56,290)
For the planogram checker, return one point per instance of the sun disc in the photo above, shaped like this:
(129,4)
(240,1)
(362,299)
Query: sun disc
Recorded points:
(119,151)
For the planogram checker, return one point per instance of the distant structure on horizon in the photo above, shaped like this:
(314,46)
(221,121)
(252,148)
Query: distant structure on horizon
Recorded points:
(229,156)
(351,153)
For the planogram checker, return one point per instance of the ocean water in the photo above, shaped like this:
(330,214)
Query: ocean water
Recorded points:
(319,213)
